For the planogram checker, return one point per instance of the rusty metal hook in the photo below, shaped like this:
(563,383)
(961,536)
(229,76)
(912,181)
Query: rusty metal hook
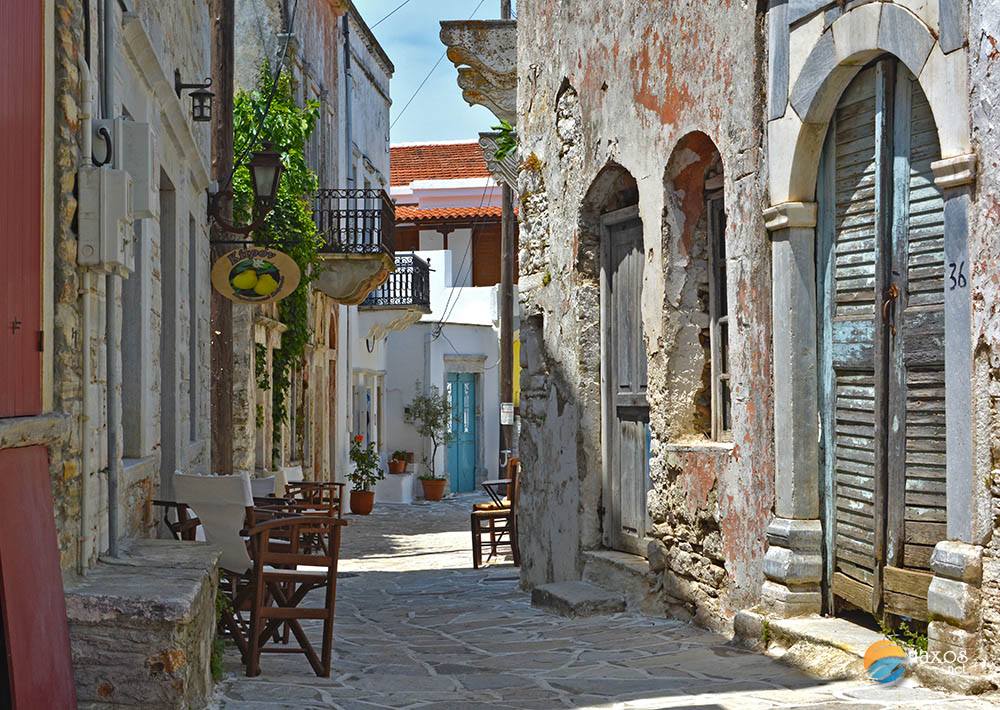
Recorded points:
(891,294)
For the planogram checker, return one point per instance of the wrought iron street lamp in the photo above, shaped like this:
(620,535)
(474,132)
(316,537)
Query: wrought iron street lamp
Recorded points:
(201,98)
(265,177)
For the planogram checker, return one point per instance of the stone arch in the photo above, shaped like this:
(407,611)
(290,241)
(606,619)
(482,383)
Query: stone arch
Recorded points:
(793,565)
(840,52)
(612,189)
(695,167)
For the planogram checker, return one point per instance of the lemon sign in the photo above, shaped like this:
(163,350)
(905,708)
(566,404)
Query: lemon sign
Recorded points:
(255,275)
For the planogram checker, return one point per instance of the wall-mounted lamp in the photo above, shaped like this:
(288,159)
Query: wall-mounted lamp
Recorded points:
(201,97)
(265,177)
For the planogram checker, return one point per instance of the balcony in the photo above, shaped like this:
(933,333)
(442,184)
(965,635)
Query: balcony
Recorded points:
(408,287)
(358,229)
(401,300)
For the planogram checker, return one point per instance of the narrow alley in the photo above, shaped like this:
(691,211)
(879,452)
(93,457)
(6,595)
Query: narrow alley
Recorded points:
(417,627)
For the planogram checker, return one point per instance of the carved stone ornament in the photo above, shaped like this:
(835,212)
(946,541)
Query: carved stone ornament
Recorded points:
(485,54)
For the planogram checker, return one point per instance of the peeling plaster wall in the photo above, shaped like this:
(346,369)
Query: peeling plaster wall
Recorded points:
(984,251)
(603,82)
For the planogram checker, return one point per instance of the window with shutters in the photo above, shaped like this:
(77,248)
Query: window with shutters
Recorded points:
(718,311)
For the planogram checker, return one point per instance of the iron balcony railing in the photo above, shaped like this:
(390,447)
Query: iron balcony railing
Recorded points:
(355,221)
(408,286)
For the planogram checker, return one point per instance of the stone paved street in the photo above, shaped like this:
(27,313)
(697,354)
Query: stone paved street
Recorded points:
(418,628)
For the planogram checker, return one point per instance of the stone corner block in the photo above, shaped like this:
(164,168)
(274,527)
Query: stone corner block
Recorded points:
(790,215)
(958,561)
(955,602)
(955,172)
(790,567)
(782,602)
(798,535)
(952,644)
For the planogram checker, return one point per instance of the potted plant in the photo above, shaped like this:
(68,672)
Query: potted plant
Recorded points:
(430,415)
(366,474)
(397,464)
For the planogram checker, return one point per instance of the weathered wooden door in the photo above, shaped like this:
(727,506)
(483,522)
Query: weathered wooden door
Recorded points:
(36,633)
(882,274)
(623,366)
(462,448)
(21,95)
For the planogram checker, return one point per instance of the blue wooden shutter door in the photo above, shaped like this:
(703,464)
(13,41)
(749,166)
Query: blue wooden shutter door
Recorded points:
(881,366)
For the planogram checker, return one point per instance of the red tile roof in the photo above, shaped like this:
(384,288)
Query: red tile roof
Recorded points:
(436,161)
(409,213)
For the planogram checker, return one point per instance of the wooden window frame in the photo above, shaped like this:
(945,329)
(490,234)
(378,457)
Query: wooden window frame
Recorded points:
(718,309)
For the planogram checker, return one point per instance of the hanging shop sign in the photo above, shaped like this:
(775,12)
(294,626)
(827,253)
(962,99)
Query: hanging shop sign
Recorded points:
(255,275)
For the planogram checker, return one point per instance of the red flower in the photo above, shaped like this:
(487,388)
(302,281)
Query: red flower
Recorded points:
(358,438)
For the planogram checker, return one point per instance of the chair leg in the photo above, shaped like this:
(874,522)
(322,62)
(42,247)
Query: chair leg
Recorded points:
(477,553)
(256,623)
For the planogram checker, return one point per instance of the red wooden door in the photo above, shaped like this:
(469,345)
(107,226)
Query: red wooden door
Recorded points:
(21,86)
(36,634)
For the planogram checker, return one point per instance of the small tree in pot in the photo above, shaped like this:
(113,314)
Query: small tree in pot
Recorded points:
(430,415)
(366,474)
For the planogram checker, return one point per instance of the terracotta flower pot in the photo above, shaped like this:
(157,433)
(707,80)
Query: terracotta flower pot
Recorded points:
(433,488)
(362,502)
(397,466)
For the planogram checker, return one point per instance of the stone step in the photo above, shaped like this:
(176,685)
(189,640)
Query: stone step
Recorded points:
(628,574)
(577,599)
(827,648)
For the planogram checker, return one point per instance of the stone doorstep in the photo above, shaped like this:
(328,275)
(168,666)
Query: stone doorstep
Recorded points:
(625,573)
(833,649)
(827,648)
(577,599)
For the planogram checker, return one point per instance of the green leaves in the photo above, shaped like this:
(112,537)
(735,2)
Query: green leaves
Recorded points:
(506,141)
(289,227)
(430,415)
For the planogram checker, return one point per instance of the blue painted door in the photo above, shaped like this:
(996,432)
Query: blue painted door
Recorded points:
(882,271)
(462,449)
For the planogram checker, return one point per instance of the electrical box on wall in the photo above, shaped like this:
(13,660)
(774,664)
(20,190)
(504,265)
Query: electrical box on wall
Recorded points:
(133,150)
(105,235)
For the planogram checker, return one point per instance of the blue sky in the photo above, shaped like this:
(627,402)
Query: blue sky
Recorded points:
(410,38)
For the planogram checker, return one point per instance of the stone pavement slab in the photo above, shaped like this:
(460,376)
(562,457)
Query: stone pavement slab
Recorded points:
(418,628)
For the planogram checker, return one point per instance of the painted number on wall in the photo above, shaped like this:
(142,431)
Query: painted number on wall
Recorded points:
(957,275)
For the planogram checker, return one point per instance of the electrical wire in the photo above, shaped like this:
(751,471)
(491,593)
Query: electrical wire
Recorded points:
(422,83)
(270,99)
(398,7)
(446,312)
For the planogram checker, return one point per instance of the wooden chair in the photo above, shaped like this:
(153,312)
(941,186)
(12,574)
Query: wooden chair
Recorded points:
(224,506)
(281,585)
(498,522)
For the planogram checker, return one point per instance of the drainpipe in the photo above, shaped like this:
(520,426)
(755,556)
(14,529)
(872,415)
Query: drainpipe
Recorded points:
(112,289)
(86,460)
(349,165)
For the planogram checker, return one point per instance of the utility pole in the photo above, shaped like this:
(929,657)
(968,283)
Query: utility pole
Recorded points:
(223,59)
(507,226)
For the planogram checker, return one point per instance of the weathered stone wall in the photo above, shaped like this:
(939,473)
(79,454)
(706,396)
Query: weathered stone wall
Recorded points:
(66,465)
(984,67)
(605,84)
(79,374)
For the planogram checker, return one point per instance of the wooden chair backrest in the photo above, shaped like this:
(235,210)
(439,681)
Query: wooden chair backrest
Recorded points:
(221,504)
(294,553)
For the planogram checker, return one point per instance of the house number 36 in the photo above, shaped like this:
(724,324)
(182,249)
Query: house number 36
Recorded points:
(957,275)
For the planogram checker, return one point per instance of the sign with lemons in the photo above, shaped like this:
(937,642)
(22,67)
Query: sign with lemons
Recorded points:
(255,275)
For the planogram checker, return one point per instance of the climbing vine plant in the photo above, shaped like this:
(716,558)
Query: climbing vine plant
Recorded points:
(289,227)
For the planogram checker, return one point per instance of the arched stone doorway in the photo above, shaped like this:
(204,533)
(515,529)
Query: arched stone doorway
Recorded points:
(614,243)
(803,559)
